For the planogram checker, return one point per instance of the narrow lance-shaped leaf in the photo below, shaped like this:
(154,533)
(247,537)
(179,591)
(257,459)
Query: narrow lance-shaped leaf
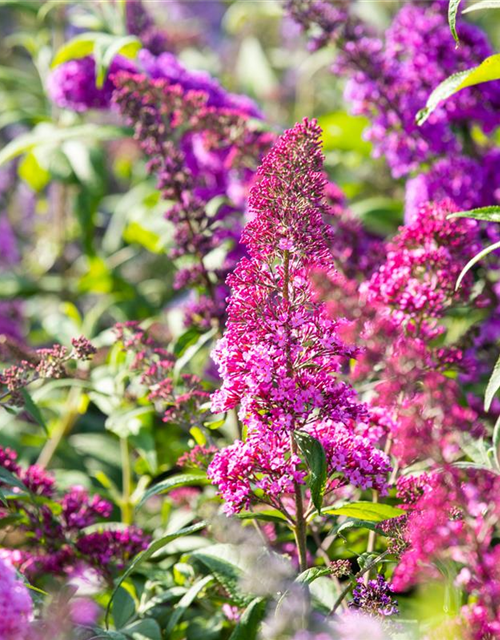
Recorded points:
(315,457)
(150,551)
(493,386)
(488,70)
(8,478)
(78,47)
(49,135)
(452,18)
(186,602)
(486,214)
(33,410)
(183,480)
(370,511)
(485,4)
(249,624)
(106,50)
(482,254)
(496,441)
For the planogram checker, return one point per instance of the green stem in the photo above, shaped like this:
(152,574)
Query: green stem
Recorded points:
(299,529)
(126,505)
(64,427)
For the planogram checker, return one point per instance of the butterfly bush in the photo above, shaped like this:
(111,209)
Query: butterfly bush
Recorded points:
(461,508)
(42,364)
(389,81)
(280,354)
(201,145)
(16,607)
(177,400)
(53,540)
(397,316)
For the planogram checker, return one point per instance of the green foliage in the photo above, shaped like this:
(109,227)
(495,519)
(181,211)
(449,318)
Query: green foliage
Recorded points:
(493,386)
(487,71)
(315,458)
(452,18)
(477,258)
(183,480)
(370,511)
(485,4)
(249,624)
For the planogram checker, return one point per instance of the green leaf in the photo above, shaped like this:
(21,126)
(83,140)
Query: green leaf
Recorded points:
(354,523)
(344,132)
(371,511)
(267,515)
(147,628)
(366,558)
(33,410)
(485,4)
(31,171)
(482,254)
(488,214)
(310,575)
(324,593)
(192,350)
(249,624)
(78,47)
(105,52)
(452,18)
(50,135)
(488,70)
(129,422)
(188,338)
(183,480)
(496,441)
(8,478)
(185,602)
(314,454)
(493,386)
(155,546)
(123,607)
(228,564)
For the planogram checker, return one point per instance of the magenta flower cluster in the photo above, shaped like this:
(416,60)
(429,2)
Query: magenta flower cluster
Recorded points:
(418,278)
(280,353)
(461,509)
(55,525)
(16,607)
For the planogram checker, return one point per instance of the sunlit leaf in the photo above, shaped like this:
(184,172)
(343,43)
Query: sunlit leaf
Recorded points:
(487,71)
(485,4)
(47,134)
(315,458)
(487,214)
(493,386)
(370,511)
(79,47)
(477,258)
(184,480)
(452,18)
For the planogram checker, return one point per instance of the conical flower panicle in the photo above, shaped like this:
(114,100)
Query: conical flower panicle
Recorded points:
(280,354)
(287,200)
